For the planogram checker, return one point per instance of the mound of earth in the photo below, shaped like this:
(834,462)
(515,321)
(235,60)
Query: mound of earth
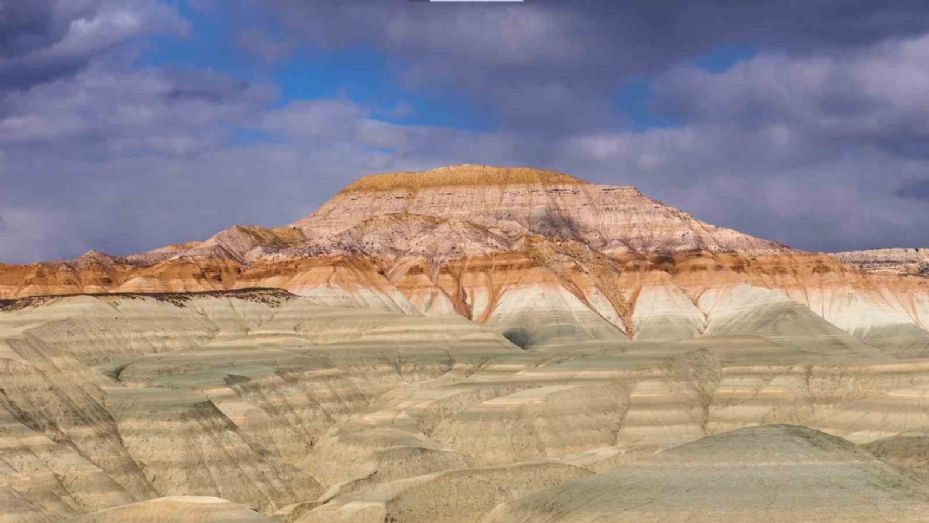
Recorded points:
(765,473)
(444,497)
(191,509)
(908,451)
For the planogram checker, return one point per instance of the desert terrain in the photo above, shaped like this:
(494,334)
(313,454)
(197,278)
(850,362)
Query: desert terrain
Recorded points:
(471,343)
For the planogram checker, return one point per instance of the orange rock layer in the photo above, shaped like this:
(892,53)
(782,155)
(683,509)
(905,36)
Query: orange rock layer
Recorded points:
(492,244)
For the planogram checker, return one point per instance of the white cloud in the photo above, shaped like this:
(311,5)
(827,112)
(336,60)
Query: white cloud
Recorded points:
(48,39)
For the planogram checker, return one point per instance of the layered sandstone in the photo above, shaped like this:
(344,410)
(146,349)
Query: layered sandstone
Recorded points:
(891,261)
(430,346)
(319,413)
(771,473)
(541,257)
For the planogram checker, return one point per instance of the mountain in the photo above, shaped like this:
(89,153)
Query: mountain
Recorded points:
(466,343)
(540,256)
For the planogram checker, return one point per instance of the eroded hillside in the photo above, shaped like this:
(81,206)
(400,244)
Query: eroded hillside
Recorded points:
(542,257)
(316,413)
(463,344)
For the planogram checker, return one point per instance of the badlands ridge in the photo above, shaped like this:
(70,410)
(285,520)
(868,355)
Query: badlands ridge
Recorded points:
(468,344)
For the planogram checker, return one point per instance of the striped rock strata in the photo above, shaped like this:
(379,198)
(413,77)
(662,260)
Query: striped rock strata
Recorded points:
(892,261)
(539,256)
(369,362)
(318,413)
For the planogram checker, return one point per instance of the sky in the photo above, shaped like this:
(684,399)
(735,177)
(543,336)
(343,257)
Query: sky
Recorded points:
(126,125)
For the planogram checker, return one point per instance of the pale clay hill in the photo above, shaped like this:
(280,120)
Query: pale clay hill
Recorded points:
(774,473)
(467,344)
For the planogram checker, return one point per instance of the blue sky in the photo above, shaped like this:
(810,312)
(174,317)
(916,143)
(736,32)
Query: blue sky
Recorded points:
(129,124)
(358,71)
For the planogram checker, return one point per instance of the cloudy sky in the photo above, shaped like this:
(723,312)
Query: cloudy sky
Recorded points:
(130,124)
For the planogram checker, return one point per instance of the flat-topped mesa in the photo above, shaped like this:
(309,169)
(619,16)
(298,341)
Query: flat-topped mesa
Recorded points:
(460,175)
(393,238)
(514,202)
(511,247)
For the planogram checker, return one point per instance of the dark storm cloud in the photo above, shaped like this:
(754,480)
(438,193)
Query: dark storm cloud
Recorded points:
(918,190)
(549,66)
(553,32)
(24,26)
(41,40)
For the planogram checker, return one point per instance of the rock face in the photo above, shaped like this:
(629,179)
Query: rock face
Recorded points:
(890,261)
(428,346)
(541,257)
(513,203)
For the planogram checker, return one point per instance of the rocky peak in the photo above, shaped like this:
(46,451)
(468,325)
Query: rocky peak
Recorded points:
(95,258)
(93,254)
